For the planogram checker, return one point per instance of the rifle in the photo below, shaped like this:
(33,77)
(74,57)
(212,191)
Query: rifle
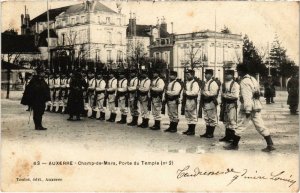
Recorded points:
(223,105)
(95,93)
(183,103)
(201,102)
(106,86)
(165,101)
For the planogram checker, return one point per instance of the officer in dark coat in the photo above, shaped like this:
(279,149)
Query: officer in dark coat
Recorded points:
(293,91)
(36,94)
(75,103)
(269,90)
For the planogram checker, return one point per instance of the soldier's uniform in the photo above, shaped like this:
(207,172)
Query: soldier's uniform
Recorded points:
(121,97)
(56,93)
(143,93)
(48,82)
(62,94)
(91,96)
(132,91)
(111,91)
(230,95)
(209,96)
(100,94)
(172,95)
(85,95)
(68,80)
(250,109)
(157,89)
(52,92)
(191,90)
(293,93)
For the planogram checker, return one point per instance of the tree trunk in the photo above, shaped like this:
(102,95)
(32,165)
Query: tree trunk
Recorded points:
(8,83)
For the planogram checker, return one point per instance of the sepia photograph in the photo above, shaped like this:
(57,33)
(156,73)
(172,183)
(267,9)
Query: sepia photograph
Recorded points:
(149,96)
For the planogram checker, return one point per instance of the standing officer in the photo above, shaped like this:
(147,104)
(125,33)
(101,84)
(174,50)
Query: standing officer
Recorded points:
(250,110)
(172,95)
(122,96)
(91,94)
(191,92)
(230,95)
(132,90)
(293,93)
(56,92)
(100,94)
(111,91)
(210,95)
(269,90)
(143,92)
(36,94)
(157,89)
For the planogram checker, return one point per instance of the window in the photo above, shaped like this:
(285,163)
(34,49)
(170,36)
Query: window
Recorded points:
(109,38)
(157,55)
(119,21)
(77,19)
(63,38)
(108,53)
(97,55)
(119,55)
(83,19)
(84,36)
(73,21)
(107,20)
(120,38)
(99,19)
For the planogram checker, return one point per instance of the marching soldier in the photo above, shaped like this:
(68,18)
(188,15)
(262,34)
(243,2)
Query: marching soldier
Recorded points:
(157,89)
(111,92)
(91,94)
(100,94)
(191,92)
(56,83)
(172,95)
(132,90)
(143,92)
(209,96)
(230,95)
(62,94)
(250,110)
(121,97)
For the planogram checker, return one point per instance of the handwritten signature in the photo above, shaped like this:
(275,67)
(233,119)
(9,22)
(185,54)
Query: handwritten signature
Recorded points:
(188,172)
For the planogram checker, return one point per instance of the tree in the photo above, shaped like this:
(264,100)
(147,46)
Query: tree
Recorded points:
(225,30)
(136,53)
(252,58)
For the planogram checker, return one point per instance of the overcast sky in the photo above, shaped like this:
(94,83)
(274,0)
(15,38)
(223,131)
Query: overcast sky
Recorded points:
(259,20)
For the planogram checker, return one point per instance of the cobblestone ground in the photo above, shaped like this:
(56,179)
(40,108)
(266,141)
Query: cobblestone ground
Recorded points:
(94,134)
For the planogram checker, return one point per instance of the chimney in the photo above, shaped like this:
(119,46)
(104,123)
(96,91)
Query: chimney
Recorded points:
(22,19)
(163,25)
(132,25)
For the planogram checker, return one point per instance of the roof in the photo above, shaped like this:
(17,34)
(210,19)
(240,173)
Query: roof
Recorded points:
(18,44)
(42,42)
(52,14)
(6,65)
(141,30)
(81,7)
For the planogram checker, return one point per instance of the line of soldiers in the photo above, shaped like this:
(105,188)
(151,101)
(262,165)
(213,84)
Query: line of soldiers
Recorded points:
(142,95)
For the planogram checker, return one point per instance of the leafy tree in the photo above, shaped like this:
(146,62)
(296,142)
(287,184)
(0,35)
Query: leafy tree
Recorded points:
(252,58)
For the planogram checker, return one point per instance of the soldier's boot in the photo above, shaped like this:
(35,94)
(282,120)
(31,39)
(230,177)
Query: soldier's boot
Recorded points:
(146,124)
(94,114)
(206,131)
(53,109)
(189,128)
(48,108)
(123,119)
(191,132)
(174,127)
(211,131)
(227,137)
(270,146)
(134,121)
(143,122)
(112,117)
(170,127)
(102,116)
(156,125)
(60,108)
(234,145)
(85,113)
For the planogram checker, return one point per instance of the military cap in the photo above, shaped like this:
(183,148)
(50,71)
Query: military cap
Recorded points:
(39,70)
(242,68)
(230,72)
(190,71)
(209,71)
(173,73)
(155,70)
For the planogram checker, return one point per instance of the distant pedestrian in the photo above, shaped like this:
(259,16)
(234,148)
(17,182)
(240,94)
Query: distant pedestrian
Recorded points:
(75,103)
(270,91)
(36,94)
(293,93)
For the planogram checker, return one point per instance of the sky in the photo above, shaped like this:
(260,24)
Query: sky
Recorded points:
(259,20)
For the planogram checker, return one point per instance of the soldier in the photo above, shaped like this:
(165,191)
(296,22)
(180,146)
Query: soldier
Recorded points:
(209,95)
(62,94)
(293,93)
(269,90)
(230,95)
(91,94)
(132,90)
(250,110)
(122,97)
(156,91)
(143,92)
(65,100)
(56,83)
(47,79)
(99,95)
(190,92)
(172,95)
(85,94)
(111,92)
